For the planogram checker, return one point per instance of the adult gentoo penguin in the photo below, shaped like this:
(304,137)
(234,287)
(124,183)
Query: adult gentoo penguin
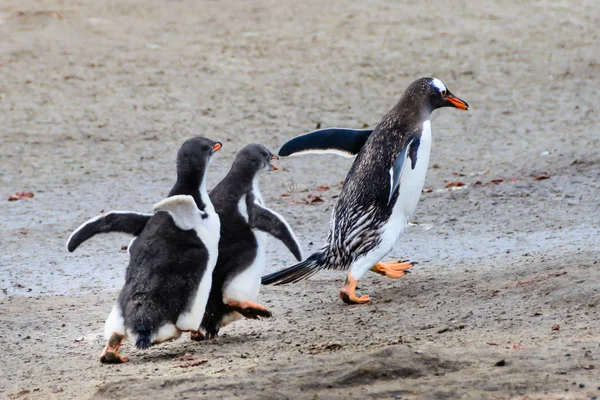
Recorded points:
(380,192)
(245,221)
(169,275)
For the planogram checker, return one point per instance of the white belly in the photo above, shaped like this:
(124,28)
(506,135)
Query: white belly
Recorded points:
(246,285)
(411,186)
(206,232)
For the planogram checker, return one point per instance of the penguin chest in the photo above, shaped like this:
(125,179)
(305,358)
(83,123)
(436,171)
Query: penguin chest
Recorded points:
(246,284)
(208,230)
(411,185)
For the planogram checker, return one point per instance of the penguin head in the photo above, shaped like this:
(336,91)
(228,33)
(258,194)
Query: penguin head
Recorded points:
(195,154)
(435,94)
(256,158)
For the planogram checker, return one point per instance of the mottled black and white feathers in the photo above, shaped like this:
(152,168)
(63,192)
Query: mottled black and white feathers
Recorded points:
(381,189)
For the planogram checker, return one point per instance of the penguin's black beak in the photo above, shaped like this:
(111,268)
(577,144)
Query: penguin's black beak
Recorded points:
(453,101)
(271,159)
(216,147)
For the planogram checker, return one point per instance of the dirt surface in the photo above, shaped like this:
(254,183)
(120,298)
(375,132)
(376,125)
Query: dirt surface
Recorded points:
(96,97)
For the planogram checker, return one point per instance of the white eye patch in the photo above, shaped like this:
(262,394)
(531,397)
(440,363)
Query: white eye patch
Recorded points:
(438,84)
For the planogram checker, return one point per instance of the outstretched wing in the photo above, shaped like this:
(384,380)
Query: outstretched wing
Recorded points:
(409,151)
(274,224)
(113,221)
(183,209)
(344,142)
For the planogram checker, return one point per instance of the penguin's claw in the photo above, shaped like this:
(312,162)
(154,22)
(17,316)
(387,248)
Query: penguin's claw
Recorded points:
(408,261)
(197,336)
(393,269)
(111,355)
(348,295)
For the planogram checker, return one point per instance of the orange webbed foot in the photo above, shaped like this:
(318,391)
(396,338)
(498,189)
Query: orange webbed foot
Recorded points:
(197,336)
(249,309)
(111,355)
(348,295)
(393,269)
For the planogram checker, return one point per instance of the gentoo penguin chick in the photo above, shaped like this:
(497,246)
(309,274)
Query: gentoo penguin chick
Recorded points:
(380,192)
(244,223)
(169,275)
(189,169)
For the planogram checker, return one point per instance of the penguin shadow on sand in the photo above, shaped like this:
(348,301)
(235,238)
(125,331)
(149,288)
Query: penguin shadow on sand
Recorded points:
(229,288)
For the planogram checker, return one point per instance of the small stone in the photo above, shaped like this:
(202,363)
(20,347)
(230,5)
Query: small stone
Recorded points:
(500,363)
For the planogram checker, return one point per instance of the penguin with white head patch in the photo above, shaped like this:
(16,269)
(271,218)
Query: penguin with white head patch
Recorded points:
(380,192)
(245,221)
(169,275)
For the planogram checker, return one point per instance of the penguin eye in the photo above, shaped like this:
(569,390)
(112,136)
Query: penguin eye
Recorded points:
(443,93)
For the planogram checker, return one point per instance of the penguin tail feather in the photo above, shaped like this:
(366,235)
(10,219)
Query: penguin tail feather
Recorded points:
(143,340)
(295,273)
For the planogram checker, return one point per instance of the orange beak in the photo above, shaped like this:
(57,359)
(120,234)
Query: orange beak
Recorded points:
(456,102)
(217,146)
(271,159)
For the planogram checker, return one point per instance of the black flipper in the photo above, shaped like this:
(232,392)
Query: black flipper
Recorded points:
(274,224)
(113,221)
(295,273)
(409,150)
(344,142)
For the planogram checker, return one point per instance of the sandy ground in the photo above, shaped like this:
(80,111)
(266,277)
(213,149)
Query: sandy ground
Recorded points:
(96,97)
